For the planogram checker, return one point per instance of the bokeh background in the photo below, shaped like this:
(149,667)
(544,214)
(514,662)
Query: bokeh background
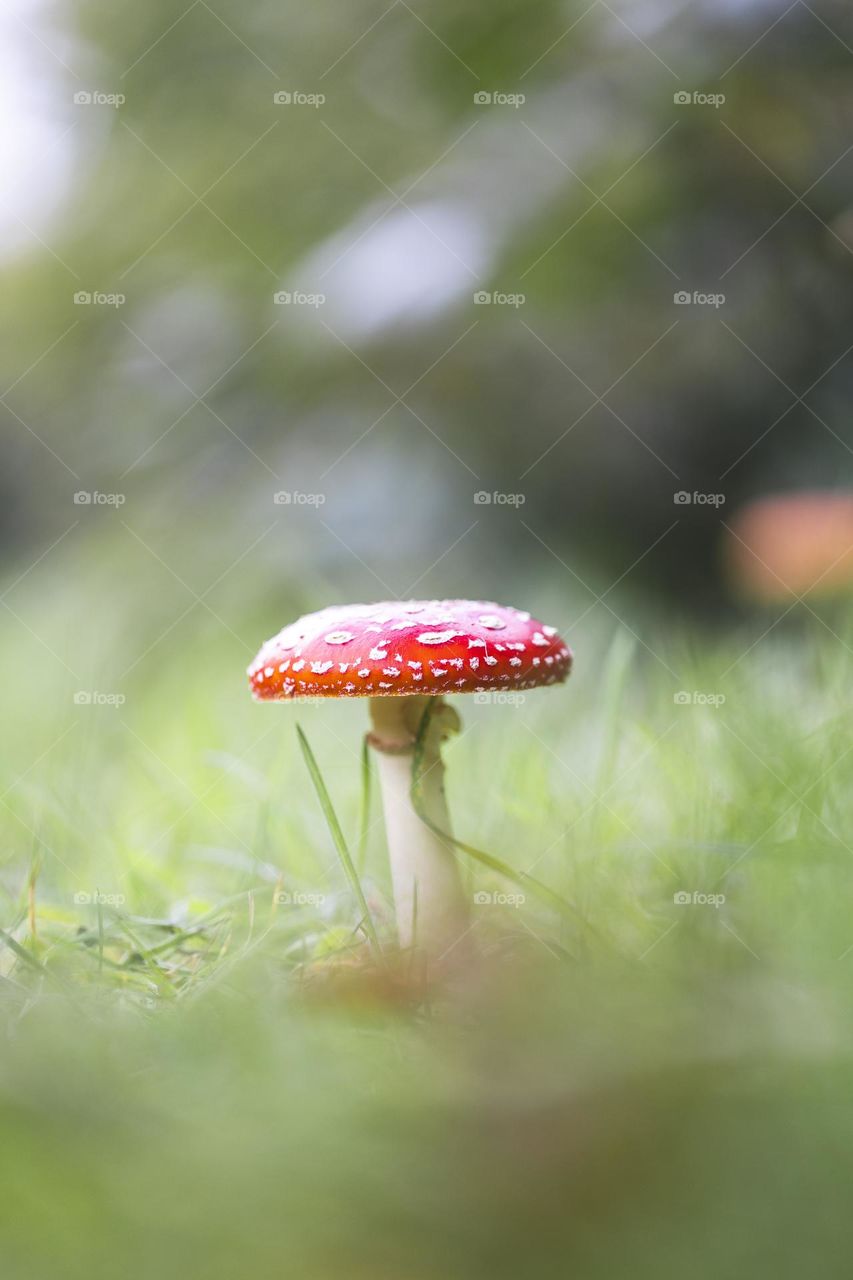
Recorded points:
(386,189)
(317,303)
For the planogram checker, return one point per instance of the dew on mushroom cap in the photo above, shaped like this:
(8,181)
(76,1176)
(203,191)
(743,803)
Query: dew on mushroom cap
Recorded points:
(399,648)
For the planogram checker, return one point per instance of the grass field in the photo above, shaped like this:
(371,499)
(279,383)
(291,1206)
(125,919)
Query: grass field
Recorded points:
(640,1086)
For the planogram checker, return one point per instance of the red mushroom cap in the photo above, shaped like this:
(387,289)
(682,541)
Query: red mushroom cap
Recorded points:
(409,647)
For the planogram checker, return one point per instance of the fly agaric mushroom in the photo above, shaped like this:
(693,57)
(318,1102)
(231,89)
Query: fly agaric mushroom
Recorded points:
(399,655)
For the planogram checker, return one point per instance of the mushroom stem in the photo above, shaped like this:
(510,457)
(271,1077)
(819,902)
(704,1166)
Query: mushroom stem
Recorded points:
(428,898)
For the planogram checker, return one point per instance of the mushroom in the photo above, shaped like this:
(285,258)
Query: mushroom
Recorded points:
(401,654)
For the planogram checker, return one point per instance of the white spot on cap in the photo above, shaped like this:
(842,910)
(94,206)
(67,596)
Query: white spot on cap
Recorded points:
(538,638)
(473,663)
(437,637)
(492,621)
(390,671)
(339,637)
(268,671)
(297,666)
(490,661)
(377,654)
(476,643)
(364,672)
(320,668)
(283,667)
(415,664)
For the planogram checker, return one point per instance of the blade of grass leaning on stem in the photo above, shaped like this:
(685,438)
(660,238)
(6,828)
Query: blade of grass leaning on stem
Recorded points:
(339,841)
(521,878)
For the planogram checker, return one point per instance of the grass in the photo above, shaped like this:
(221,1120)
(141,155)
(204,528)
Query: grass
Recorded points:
(636,1086)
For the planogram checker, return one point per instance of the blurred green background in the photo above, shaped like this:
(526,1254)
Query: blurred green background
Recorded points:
(397,199)
(306,304)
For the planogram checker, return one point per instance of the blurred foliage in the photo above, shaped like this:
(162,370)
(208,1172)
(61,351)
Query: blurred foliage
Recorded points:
(653,1090)
(597,199)
(194,1079)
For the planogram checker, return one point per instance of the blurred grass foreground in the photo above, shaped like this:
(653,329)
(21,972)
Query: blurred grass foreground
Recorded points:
(660,1085)
(541,303)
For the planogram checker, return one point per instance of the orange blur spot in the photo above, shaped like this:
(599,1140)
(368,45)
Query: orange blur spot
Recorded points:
(793,545)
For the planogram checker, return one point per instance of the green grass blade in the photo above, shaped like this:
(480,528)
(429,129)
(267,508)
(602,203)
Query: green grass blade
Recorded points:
(21,952)
(616,668)
(364,814)
(100,937)
(152,967)
(338,839)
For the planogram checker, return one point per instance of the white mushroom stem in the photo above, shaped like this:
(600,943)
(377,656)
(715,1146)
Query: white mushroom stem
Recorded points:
(430,905)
